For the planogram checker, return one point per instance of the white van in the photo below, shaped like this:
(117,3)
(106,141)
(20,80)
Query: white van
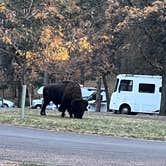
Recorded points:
(136,93)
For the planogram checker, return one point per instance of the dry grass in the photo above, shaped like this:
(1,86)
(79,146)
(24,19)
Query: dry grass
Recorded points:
(9,163)
(142,126)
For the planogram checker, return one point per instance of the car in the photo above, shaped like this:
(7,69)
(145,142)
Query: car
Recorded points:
(87,91)
(92,101)
(6,103)
(37,104)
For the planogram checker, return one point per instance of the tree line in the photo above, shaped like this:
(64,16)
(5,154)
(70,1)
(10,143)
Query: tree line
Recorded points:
(81,39)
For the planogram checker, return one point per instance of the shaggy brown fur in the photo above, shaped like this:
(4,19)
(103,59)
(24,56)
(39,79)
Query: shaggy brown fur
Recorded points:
(64,94)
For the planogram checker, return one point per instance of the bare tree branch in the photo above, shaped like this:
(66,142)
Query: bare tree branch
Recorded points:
(29,9)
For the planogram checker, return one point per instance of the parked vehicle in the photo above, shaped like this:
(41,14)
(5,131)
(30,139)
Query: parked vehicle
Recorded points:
(6,103)
(92,97)
(37,104)
(87,91)
(92,101)
(136,93)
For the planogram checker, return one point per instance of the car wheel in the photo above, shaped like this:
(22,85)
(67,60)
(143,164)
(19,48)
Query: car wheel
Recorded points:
(38,107)
(5,106)
(125,109)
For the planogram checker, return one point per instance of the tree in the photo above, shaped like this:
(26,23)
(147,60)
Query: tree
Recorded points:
(18,31)
(150,24)
(141,25)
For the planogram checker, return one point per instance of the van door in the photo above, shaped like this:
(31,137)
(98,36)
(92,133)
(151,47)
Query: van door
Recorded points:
(125,92)
(147,97)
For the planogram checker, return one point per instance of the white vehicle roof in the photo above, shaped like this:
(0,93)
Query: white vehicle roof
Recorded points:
(138,76)
(141,78)
(40,90)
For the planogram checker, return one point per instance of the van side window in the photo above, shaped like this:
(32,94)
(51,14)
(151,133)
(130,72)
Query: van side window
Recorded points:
(160,89)
(146,88)
(116,85)
(126,85)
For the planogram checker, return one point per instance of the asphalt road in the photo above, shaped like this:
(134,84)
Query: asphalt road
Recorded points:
(71,149)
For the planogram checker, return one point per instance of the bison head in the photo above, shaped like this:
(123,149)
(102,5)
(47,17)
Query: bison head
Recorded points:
(78,107)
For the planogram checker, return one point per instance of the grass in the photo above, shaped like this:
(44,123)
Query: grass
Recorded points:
(18,164)
(92,123)
(29,165)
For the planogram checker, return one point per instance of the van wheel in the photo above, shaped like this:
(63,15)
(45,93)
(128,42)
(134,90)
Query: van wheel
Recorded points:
(116,112)
(125,109)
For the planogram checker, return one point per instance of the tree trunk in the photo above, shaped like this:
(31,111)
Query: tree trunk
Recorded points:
(163,96)
(30,94)
(82,76)
(19,87)
(106,91)
(98,95)
(45,80)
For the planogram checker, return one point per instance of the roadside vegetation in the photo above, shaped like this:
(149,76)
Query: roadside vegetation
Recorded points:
(9,163)
(30,165)
(152,127)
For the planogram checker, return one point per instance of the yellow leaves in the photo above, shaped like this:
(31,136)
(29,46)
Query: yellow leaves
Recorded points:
(2,6)
(46,34)
(41,15)
(134,13)
(47,9)
(69,45)
(156,6)
(19,52)
(72,7)
(27,55)
(54,47)
(84,45)
(61,54)
(52,9)
(62,1)
(30,55)
(105,37)
(56,42)
(9,14)
(7,40)
(149,10)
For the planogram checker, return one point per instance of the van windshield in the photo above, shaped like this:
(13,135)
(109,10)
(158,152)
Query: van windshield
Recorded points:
(116,85)
(126,85)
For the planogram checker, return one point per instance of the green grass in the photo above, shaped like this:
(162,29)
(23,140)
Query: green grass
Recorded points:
(92,123)
(10,163)
(30,165)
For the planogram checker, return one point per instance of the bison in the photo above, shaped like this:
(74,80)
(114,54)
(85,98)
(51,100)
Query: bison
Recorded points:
(68,95)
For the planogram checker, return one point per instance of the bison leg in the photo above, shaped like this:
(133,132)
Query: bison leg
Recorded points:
(70,112)
(63,114)
(62,109)
(43,110)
